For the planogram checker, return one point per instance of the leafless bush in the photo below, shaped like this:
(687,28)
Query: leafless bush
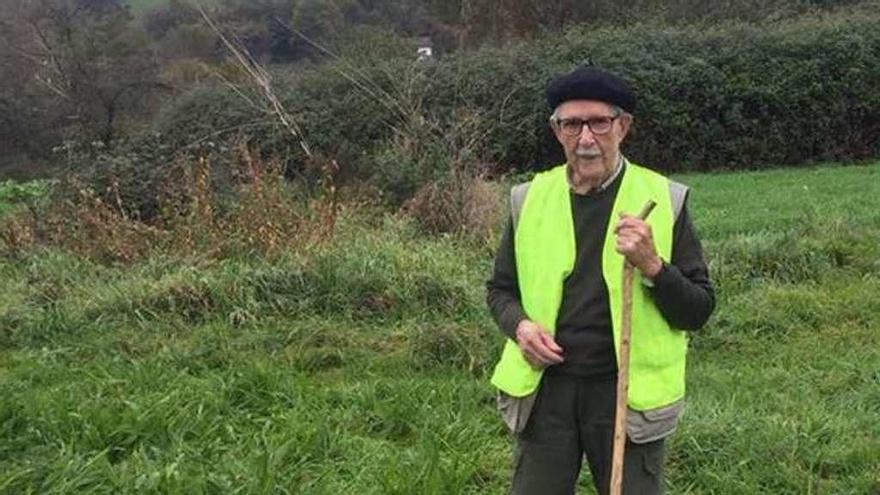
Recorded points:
(460,202)
(466,206)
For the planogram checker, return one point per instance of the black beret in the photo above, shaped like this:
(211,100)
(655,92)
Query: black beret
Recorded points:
(591,83)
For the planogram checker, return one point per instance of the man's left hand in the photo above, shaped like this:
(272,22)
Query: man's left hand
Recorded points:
(634,240)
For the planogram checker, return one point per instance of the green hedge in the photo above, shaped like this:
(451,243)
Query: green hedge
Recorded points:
(711,96)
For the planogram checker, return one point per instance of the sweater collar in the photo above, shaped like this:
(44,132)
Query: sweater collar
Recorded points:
(621,163)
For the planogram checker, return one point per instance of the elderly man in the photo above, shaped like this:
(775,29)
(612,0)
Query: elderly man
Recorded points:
(556,294)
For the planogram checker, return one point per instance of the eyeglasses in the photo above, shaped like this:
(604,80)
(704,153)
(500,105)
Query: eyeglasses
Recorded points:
(575,126)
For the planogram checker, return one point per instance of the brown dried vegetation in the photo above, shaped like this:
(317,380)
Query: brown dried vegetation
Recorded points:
(264,217)
(462,202)
(459,205)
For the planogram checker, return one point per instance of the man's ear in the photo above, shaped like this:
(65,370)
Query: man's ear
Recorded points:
(625,124)
(557,134)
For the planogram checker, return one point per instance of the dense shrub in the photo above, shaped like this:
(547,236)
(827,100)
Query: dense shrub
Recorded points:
(734,96)
(711,96)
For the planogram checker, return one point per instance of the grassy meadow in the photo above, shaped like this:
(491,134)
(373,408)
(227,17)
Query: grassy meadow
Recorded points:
(362,366)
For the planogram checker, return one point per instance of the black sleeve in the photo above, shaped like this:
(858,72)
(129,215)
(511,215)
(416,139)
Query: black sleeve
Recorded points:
(502,290)
(682,290)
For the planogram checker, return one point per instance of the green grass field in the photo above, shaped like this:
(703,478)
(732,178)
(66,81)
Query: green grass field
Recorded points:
(363,368)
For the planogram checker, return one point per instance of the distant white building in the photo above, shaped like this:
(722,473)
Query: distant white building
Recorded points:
(426,48)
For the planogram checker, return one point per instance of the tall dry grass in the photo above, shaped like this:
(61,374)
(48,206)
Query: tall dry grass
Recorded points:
(264,216)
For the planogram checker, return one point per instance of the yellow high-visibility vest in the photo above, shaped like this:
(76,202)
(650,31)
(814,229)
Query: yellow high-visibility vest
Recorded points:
(544,245)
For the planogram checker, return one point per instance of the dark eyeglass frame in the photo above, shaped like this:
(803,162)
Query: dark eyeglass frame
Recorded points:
(574,126)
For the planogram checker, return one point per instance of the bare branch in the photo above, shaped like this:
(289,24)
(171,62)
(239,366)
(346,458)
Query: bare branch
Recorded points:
(52,87)
(383,97)
(262,80)
(233,87)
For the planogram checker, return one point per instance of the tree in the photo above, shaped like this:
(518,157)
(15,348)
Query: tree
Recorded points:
(83,59)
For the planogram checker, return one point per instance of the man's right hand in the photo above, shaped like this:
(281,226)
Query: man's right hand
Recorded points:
(537,345)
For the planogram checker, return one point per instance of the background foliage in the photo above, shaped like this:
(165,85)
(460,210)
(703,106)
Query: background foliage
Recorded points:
(794,92)
(722,84)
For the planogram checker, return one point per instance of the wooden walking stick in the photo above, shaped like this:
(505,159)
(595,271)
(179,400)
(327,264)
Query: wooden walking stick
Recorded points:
(623,371)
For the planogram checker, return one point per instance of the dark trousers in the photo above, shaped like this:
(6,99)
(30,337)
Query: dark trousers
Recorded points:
(573,417)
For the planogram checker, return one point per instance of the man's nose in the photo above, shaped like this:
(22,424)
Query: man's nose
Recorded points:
(586,136)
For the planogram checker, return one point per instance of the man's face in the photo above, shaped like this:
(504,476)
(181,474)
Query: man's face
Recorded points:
(590,156)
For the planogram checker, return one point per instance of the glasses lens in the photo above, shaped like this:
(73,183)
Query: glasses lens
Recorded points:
(572,127)
(600,125)
(597,125)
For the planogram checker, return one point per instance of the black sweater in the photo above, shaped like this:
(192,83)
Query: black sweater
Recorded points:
(682,290)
